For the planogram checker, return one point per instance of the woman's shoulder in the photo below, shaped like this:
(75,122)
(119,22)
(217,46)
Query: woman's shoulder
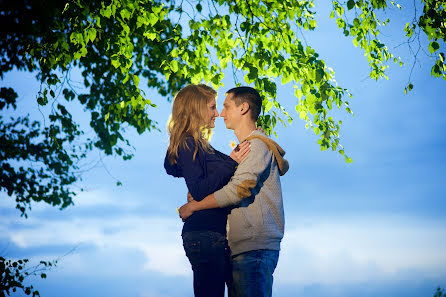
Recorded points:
(189,145)
(186,141)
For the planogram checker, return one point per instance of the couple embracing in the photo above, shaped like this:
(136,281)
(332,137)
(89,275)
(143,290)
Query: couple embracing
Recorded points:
(234,218)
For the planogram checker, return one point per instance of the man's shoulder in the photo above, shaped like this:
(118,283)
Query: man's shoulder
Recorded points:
(257,144)
(259,150)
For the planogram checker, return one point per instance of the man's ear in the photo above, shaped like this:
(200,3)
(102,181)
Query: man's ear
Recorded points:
(245,107)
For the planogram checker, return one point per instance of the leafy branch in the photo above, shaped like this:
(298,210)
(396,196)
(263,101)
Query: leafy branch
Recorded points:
(13,275)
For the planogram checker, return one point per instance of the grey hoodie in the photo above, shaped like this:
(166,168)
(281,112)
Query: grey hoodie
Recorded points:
(257,221)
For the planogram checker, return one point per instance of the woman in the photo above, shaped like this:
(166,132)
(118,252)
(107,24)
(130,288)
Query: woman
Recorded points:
(205,171)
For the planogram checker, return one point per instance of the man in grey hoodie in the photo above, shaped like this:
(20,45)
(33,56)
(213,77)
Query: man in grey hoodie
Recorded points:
(256,220)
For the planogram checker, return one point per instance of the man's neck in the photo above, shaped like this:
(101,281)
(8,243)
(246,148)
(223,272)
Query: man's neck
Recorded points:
(243,131)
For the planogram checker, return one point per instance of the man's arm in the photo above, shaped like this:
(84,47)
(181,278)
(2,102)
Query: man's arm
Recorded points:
(189,208)
(239,187)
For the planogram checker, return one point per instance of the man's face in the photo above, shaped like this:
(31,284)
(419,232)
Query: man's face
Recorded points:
(230,113)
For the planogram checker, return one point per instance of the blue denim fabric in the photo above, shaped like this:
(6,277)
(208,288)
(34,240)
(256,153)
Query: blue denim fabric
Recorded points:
(252,273)
(208,253)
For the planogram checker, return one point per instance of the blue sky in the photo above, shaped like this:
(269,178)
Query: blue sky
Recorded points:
(372,228)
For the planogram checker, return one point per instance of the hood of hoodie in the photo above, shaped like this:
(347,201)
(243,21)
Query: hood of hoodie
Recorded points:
(275,148)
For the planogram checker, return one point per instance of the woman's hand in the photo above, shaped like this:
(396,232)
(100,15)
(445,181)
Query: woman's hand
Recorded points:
(241,151)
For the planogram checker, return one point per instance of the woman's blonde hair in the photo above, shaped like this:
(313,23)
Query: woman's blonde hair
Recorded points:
(189,119)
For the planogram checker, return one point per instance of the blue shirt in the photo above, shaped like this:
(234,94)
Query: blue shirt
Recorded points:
(204,175)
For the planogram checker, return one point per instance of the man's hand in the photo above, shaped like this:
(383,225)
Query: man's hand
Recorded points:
(187,209)
(189,197)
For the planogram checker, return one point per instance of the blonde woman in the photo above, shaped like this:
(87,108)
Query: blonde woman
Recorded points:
(205,170)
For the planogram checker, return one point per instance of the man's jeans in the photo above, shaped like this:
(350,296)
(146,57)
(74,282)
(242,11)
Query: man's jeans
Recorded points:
(208,254)
(252,273)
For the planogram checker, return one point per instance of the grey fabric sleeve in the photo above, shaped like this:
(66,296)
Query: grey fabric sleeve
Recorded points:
(246,176)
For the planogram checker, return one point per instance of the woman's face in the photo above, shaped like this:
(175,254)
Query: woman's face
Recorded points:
(212,113)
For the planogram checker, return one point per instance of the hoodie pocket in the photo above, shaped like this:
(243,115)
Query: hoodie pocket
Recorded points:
(240,226)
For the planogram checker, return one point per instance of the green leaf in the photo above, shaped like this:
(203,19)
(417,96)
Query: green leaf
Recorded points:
(433,46)
(348,160)
(153,19)
(140,21)
(174,66)
(199,7)
(341,23)
(313,23)
(350,4)
(268,106)
(136,80)
(106,12)
(126,78)
(115,62)
(65,8)
(224,62)
(286,78)
(312,109)
(92,34)
(435,71)
(298,93)
(311,99)
(42,100)
(157,9)
(125,14)
(305,89)
(150,35)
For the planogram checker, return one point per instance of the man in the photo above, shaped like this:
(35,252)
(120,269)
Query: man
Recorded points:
(256,221)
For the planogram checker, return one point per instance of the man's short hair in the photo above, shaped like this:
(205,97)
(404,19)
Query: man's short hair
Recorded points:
(250,96)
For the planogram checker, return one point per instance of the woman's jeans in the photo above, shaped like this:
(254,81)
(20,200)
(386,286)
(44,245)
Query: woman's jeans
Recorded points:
(208,254)
(252,273)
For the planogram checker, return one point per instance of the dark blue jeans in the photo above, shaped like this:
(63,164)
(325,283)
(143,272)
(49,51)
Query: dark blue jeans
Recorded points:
(252,273)
(208,254)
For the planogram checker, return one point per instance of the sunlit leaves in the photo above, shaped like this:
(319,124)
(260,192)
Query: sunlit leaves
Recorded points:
(114,44)
(364,32)
(118,45)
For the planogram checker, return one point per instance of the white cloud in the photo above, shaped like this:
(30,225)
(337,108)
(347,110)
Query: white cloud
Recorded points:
(315,250)
(357,249)
(159,239)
